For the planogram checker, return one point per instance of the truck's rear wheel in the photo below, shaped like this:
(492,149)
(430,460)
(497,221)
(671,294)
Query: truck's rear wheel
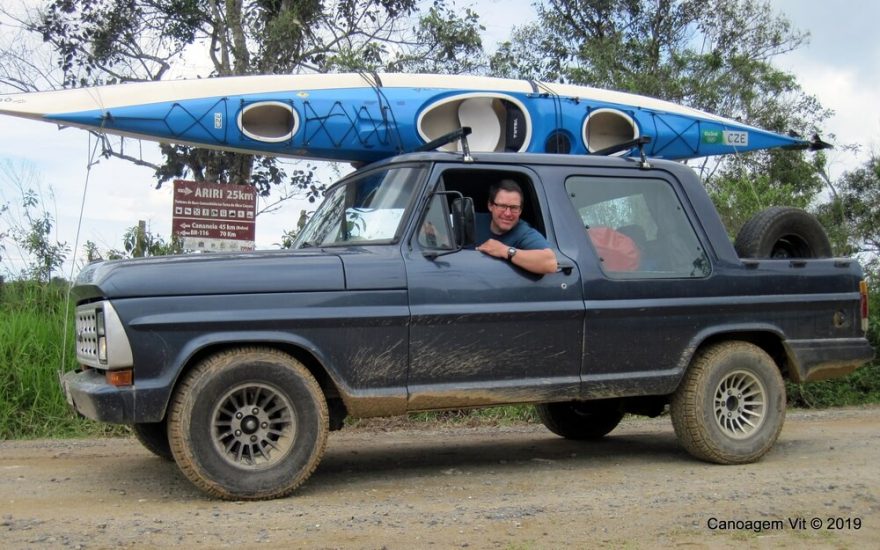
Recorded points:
(248,423)
(781,232)
(730,407)
(154,437)
(581,419)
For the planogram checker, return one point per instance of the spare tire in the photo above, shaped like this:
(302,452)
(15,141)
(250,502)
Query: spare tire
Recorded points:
(782,232)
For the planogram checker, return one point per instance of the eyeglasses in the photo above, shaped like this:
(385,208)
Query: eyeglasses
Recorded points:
(514,208)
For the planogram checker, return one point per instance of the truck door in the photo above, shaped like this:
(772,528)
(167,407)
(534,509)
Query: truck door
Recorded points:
(482,330)
(646,278)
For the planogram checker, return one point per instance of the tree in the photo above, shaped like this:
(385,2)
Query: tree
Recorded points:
(137,242)
(107,41)
(444,43)
(743,185)
(28,226)
(710,54)
(853,213)
(714,55)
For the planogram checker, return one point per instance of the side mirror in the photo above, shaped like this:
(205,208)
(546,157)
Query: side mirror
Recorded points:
(463,221)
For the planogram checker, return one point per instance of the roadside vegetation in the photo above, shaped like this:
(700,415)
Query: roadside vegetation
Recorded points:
(32,319)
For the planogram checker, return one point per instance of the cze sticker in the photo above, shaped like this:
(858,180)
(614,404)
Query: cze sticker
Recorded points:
(218,120)
(736,139)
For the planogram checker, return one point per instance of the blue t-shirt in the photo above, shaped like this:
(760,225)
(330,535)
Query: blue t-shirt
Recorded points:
(522,236)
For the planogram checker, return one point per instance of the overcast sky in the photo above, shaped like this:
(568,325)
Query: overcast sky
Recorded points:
(840,65)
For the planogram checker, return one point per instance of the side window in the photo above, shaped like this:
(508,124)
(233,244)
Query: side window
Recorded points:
(435,231)
(475,183)
(637,227)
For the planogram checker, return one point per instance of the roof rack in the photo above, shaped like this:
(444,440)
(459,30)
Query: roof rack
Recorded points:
(460,134)
(639,142)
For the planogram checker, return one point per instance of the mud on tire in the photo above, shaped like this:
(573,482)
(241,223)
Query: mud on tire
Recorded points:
(248,424)
(730,407)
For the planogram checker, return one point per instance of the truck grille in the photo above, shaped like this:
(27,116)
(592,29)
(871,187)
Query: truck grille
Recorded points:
(101,341)
(87,335)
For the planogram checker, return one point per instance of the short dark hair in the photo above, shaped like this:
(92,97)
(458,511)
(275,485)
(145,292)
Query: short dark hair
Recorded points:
(508,185)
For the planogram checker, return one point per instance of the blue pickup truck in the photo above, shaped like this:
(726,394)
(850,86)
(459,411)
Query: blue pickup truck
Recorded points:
(236,366)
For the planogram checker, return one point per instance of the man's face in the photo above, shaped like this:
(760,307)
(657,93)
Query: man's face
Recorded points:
(505,209)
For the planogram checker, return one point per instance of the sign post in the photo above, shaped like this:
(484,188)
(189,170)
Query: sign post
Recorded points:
(213,217)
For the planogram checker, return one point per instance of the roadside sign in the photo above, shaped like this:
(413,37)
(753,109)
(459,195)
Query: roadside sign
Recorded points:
(214,217)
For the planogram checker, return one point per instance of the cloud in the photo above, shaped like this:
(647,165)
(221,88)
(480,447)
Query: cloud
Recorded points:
(851,89)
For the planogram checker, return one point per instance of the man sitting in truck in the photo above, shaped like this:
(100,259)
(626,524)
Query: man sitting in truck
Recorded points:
(508,237)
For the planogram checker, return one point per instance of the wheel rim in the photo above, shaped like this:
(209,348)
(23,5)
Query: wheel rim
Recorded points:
(254,426)
(740,404)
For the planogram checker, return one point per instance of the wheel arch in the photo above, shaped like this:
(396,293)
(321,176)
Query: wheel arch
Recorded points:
(768,338)
(300,349)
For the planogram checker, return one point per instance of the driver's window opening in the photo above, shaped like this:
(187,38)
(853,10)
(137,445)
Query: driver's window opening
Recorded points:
(436,230)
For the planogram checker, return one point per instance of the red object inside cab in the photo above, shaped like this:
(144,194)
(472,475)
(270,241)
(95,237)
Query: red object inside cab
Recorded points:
(617,251)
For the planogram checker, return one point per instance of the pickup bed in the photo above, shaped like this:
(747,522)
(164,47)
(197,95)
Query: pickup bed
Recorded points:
(237,365)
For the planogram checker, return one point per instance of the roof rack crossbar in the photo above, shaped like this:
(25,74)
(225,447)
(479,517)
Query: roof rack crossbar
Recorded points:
(639,142)
(461,134)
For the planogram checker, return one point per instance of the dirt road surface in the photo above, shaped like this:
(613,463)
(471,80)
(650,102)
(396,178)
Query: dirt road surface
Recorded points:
(514,487)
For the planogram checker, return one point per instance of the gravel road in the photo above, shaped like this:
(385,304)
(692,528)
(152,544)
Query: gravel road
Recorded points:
(514,487)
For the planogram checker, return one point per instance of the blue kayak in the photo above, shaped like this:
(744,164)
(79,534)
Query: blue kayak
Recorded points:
(363,118)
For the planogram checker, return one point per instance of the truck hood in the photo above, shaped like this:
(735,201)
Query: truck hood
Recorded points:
(233,273)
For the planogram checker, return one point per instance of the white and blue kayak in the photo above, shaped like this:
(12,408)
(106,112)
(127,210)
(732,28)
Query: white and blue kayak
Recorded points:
(367,117)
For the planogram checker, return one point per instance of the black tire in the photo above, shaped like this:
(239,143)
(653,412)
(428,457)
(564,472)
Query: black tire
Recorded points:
(581,419)
(730,406)
(780,233)
(154,437)
(248,424)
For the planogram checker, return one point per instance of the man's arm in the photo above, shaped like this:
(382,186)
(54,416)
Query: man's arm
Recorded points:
(537,261)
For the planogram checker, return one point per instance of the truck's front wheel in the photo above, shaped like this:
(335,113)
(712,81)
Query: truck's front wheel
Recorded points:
(248,423)
(730,407)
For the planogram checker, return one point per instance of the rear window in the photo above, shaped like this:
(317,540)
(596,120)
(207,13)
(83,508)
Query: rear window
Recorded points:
(637,227)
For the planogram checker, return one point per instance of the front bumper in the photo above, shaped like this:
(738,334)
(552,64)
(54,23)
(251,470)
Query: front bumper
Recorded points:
(89,393)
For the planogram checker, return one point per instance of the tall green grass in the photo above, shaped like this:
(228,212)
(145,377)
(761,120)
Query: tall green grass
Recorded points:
(32,320)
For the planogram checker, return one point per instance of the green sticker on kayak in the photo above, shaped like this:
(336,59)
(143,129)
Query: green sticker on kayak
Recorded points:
(712,137)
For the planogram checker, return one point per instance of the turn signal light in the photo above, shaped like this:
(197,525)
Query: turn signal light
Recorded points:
(124,377)
(863,292)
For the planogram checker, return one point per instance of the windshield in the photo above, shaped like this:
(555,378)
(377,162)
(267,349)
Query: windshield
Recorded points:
(364,210)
